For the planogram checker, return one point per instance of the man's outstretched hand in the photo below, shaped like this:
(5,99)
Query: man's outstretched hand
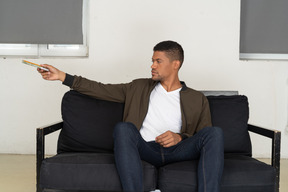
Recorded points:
(52,74)
(168,139)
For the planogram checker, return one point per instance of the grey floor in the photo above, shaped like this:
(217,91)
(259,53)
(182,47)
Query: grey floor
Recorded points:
(17,173)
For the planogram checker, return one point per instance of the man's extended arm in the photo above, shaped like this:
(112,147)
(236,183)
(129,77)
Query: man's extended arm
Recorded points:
(109,92)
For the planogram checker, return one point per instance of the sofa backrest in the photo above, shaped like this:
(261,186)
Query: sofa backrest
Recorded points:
(231,113)
(88,123)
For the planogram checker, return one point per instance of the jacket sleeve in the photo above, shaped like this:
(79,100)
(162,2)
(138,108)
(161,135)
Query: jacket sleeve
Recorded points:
(109,92)
(205,117)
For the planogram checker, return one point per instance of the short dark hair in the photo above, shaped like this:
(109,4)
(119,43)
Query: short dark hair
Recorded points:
(173,50)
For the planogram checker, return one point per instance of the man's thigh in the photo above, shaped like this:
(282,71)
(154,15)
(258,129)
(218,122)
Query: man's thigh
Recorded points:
(154,153)
(188,149)
(151,152)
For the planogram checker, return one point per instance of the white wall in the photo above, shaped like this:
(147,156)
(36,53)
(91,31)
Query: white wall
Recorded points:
(122,35)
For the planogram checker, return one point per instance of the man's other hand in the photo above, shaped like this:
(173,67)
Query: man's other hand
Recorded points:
(52,74)
(168,139)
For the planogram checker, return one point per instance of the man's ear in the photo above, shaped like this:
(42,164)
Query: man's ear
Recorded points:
(176,64)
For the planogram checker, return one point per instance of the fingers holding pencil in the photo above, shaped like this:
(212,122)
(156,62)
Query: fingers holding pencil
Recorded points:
(52,74)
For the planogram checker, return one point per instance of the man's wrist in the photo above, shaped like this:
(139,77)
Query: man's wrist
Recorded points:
(183,136)
(62,76)
(68,80)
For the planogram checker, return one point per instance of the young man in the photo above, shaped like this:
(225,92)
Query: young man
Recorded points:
(164,121)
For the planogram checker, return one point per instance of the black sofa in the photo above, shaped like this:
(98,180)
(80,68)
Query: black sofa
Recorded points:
(85,162)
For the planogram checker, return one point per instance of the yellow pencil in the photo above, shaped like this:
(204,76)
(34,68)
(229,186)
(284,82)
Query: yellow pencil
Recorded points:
(34,65)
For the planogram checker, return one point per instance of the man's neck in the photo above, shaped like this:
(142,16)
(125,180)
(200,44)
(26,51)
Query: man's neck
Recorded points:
(171,85)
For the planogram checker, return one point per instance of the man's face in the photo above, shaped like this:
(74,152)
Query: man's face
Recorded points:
(162,67)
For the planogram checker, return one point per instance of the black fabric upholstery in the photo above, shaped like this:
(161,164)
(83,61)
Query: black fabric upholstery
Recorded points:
(88,171)
(241,173)
(85,158)
(93,132)
(88,123)
(231,113)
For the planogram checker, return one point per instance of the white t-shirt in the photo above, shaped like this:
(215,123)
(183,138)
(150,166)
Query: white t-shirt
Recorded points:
(164,113)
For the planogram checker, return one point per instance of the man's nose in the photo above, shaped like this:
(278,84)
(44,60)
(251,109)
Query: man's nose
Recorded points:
(153,66)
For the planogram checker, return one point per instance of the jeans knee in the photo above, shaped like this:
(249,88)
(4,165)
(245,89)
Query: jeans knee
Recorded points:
(218,132)
(124,129)
(215,134)
(125,136)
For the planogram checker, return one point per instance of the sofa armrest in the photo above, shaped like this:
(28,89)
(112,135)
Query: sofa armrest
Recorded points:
(276,143)
(40,145)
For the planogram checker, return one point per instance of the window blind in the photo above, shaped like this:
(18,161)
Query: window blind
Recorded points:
(41,21)
(264,26)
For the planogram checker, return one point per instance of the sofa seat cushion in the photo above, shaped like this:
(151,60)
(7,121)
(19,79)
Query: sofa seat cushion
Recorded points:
(88,171)
(241,173)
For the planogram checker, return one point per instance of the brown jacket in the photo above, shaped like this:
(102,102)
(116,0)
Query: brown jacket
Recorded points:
(136,94)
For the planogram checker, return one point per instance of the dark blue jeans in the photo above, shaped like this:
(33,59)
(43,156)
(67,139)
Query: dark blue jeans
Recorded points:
(130,148)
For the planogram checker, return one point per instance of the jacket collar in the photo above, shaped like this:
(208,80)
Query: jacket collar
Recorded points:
(184,87)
